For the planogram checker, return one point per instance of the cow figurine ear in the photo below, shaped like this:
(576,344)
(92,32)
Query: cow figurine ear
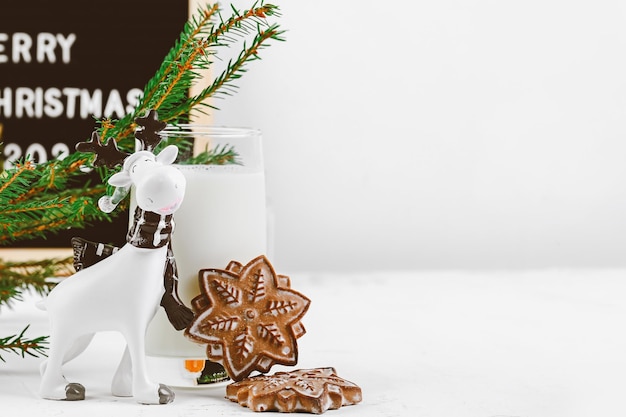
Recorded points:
(120,179)
(122,182)
(168,155)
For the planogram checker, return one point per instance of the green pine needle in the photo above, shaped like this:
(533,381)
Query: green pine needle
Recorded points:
(21,345)
(16,277)
(224,155)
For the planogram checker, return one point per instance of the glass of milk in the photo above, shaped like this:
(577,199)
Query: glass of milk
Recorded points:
(223,218)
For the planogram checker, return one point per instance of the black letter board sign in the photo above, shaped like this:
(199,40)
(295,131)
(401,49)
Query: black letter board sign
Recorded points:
(64,62)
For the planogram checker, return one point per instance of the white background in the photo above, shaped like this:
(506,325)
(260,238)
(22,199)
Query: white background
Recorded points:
(429,134)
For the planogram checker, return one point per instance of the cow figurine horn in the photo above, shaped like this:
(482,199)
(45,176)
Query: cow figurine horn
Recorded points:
(148,134)
(109,155)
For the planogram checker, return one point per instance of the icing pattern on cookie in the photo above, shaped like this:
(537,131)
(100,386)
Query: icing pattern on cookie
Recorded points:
(309,390)
(248,317)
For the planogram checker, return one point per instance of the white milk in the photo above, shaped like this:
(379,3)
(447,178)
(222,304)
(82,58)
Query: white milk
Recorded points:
(222,218)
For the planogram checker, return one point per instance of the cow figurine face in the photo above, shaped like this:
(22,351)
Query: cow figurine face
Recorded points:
(159,187)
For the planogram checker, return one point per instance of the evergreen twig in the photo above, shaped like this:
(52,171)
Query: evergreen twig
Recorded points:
(16,277)
(168,90)
(223,155)
(21,345)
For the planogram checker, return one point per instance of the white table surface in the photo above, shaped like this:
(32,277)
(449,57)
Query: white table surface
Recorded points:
(452,344)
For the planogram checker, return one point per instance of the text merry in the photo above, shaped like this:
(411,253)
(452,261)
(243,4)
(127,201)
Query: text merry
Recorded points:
(44,47)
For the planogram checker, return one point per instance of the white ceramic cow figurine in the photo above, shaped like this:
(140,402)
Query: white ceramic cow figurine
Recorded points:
(123,291)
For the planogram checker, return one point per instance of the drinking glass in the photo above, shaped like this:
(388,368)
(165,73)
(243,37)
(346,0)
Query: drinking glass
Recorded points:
(222,218)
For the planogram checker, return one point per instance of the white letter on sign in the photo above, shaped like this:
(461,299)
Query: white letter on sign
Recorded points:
(3,38)
(46,42)
(66,45)
(21,46)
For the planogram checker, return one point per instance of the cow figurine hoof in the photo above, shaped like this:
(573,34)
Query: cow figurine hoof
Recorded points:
(166,395)
(74,392)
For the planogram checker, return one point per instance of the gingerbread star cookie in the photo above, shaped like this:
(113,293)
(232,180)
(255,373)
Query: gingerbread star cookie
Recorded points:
(248,316)
(308,390)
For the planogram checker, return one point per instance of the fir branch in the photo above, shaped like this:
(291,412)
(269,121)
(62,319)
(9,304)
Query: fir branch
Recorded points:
(9,293)
(124,128)
(240,26)
(56,174)
(15,182)
(54,208)
(16,277)
(191,31)
(167,91)
(50,217)
(21,345)
(223,155)
(40,199)
(31,207)
(223,84)
(27,181)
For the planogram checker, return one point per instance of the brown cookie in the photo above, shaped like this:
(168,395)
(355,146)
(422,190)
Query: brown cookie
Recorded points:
(309,390)
(248,317)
